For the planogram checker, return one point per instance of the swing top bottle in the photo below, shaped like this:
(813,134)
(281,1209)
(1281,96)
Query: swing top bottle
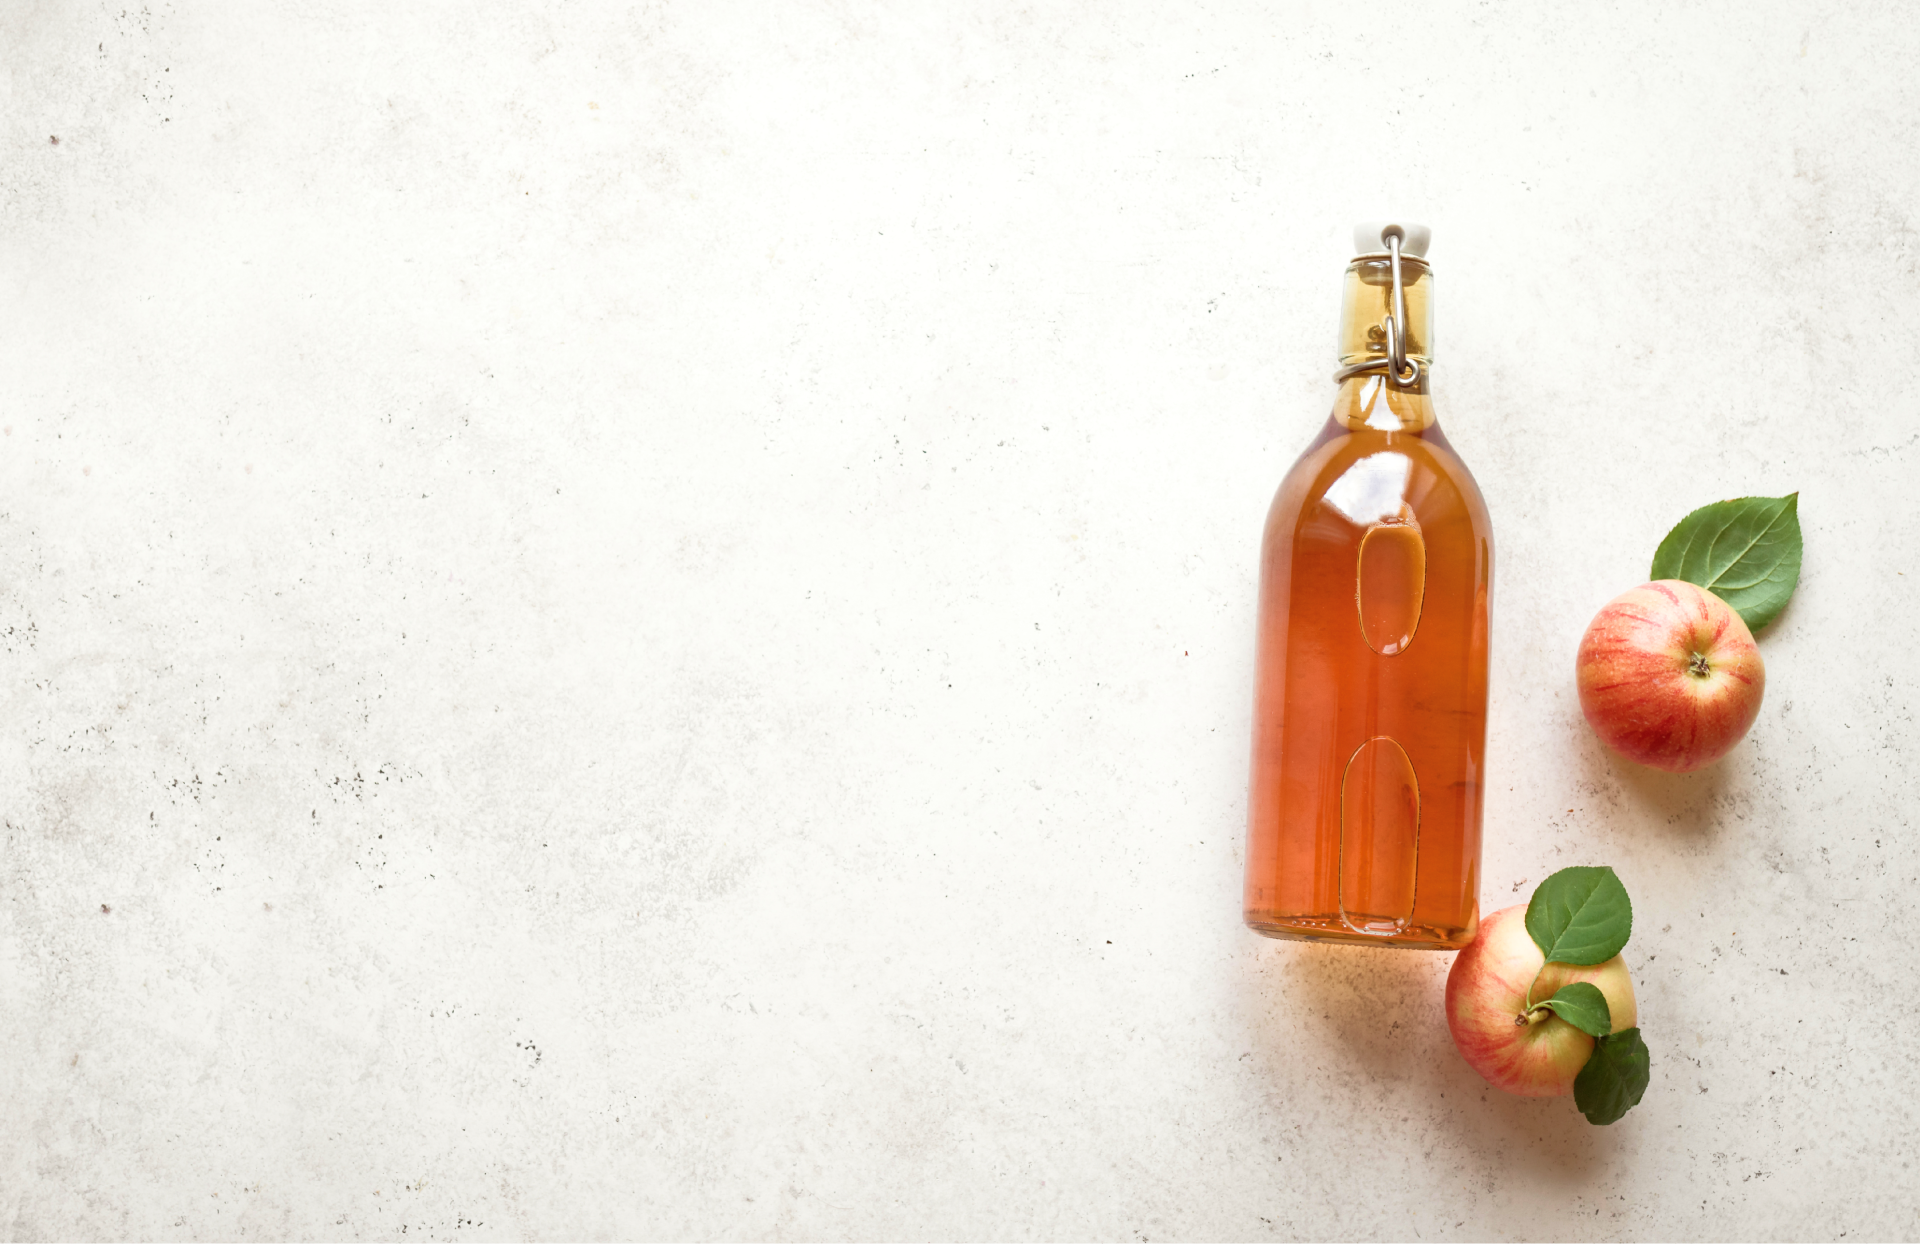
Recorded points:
(1370,706)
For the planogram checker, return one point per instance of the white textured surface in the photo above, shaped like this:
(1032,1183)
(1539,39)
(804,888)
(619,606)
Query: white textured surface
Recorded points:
(642,613)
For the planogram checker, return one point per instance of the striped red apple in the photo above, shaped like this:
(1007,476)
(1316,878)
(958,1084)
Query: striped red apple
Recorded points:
(1668,673)
(1669,676)
(1495,978)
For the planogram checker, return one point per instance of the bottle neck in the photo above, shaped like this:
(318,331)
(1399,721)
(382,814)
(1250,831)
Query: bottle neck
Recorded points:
(1367,300)
(1368,400)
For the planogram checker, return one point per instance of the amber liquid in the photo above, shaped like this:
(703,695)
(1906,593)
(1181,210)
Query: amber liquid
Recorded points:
(1370,711)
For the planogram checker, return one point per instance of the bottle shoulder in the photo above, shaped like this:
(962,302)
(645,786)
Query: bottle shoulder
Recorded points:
(1365,475)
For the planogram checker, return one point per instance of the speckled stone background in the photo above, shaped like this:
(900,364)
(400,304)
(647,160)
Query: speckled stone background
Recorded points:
(635,620)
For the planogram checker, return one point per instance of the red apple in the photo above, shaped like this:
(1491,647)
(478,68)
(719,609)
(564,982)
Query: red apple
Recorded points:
(1669,676)
(1487,1008)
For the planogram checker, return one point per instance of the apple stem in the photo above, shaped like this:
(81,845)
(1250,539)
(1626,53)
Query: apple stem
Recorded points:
(1532,1015)
(1699,667)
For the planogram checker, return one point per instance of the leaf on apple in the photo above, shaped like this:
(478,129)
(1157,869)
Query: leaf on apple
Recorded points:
(1614,1078)
(1580,915)
(1583,1006)
(1746,551)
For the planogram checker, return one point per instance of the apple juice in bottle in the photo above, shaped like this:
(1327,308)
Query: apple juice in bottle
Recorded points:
(1370,712)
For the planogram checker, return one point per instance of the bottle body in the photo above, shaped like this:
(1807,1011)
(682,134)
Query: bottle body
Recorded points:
(1369,732)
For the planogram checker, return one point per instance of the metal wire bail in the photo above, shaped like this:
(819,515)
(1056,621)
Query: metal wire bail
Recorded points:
(1401,371)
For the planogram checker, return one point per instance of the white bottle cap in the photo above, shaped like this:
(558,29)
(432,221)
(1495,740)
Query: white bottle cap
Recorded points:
(1367,237)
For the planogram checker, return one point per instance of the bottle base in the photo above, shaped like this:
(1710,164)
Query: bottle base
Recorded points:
(1333,929)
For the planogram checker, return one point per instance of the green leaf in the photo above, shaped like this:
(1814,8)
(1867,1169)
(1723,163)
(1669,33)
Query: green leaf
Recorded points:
(1614,1079)
(1746,551)
(1581,1005)
(1580,916)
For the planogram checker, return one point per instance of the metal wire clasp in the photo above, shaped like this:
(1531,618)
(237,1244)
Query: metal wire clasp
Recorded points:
(1401,370)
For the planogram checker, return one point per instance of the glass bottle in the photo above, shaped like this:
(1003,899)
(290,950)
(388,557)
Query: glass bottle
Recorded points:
(1370,707)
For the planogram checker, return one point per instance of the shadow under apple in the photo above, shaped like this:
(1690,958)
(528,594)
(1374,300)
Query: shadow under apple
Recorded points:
(1374,1023)
(1683,804)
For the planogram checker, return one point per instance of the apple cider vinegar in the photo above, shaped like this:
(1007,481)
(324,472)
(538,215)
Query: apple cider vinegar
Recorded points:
(1370,712)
